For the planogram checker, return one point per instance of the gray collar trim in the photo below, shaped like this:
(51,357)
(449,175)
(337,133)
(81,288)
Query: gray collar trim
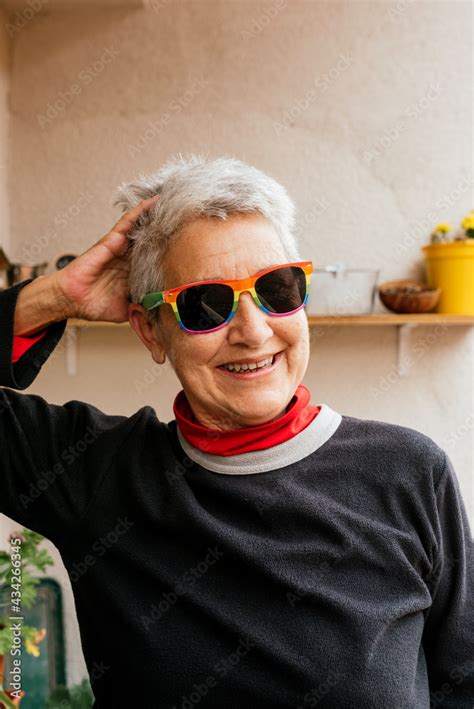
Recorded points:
(303,444)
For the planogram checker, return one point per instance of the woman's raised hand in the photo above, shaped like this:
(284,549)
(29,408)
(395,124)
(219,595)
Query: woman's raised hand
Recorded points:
(95,284)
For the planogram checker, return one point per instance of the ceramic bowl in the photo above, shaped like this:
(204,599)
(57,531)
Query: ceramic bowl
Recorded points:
(408,296)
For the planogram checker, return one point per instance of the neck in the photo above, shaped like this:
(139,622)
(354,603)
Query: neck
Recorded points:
(224,422)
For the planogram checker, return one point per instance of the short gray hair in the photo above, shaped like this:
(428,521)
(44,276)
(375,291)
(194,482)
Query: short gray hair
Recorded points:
(193,187)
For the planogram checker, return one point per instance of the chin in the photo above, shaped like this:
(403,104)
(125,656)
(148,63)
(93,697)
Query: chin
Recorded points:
(258,412)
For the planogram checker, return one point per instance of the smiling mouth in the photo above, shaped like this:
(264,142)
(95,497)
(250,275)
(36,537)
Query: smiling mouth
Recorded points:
(253,370)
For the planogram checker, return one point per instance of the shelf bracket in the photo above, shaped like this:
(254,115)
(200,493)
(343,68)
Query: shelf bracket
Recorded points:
(403,348)
(71,350)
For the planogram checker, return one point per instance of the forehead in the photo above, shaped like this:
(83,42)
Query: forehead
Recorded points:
(212,248)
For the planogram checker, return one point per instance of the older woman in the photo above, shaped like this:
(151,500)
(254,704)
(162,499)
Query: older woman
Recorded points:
(257,550)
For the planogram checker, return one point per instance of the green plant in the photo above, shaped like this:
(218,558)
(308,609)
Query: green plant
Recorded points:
(6,701)
(79,696)
(468,225)
(16,569)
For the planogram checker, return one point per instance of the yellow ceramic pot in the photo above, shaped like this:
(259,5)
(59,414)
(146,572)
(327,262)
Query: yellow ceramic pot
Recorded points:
(450,266)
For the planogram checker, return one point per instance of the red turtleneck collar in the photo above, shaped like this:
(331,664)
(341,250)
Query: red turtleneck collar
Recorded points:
(299,413)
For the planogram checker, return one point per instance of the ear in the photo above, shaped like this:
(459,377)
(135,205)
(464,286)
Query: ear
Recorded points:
(147,332)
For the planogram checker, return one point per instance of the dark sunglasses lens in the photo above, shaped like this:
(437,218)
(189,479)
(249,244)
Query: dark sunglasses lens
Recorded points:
(282,290)
(205,307)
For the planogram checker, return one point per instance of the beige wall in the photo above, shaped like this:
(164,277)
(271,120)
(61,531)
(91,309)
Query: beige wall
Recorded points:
(362,109)
(4,120)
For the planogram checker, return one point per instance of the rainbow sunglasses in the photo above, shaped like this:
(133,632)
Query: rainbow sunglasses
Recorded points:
(206,306)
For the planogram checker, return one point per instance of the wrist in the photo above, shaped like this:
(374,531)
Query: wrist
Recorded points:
(39,304)
(57,300)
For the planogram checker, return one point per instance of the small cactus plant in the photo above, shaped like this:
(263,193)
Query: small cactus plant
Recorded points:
(468,225)
(440,233)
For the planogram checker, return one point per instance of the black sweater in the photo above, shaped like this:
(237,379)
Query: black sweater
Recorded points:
(334,570)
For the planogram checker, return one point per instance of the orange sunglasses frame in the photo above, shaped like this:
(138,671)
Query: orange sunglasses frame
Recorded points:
(241,285)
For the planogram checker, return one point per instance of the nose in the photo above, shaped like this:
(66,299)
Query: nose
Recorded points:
(249,324)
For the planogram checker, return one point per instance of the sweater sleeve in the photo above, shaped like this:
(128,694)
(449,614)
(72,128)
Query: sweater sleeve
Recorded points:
(20,366)
(448,637)
(52,456)
(22,343)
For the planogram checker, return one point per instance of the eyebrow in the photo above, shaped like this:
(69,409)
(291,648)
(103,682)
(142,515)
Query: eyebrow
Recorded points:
(219,278)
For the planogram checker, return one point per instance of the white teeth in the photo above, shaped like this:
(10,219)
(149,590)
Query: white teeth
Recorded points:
(251,366)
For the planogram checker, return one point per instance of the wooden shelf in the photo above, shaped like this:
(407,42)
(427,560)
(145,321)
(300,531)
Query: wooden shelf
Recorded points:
(392,319)
(404,323)
(99,323)
(342,320)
